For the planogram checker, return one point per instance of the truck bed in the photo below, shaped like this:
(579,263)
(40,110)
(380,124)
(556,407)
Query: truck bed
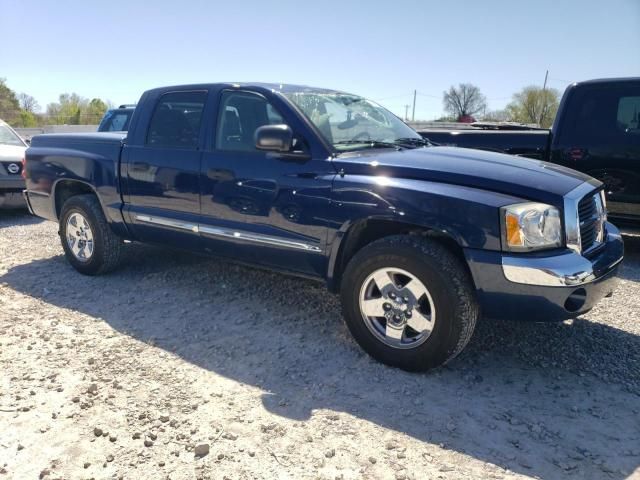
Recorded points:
(90,158)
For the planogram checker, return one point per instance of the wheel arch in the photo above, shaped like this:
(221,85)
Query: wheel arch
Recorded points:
(357,235)
(64,189)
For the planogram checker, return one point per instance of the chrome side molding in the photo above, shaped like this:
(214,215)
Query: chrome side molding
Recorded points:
(229,233)
(257,238)
(168,222)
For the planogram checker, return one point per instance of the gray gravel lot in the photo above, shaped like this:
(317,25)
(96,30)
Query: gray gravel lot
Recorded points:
(178,366)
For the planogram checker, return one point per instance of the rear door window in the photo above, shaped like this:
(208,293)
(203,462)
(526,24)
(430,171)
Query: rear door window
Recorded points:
(176,120)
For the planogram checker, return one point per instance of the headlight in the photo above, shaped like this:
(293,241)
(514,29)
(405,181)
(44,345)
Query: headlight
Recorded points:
(530,226)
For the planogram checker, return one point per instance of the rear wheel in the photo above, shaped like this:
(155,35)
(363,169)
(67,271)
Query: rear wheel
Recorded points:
(409,302)
(89,244)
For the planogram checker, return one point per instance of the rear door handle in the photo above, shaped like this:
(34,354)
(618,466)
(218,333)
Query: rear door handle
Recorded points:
(140,166)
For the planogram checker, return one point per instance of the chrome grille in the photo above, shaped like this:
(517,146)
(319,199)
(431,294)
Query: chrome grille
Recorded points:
(591,218)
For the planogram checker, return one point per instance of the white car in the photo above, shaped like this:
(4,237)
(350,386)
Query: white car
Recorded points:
(12,149)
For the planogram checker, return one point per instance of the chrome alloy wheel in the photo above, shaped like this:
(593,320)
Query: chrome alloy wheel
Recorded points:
(397,308)
(79,237)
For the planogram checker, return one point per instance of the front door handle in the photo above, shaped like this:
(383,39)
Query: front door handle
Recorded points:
(139,166)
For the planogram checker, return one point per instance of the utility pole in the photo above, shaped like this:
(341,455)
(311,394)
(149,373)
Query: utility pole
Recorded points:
(413,114)
(544,97)
(406,113)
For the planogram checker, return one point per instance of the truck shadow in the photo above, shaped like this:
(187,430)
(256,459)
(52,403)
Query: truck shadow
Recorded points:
(533,398)
(631,270)
(13,217)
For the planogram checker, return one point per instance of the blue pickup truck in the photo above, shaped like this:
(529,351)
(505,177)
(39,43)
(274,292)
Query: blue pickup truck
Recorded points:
(418,240)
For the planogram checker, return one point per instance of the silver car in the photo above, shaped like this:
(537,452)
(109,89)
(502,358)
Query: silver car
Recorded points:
(12,149)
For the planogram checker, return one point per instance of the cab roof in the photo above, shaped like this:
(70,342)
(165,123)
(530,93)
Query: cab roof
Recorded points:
(276,87)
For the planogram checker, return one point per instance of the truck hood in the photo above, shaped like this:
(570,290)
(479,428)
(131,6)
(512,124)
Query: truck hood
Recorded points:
(508,174)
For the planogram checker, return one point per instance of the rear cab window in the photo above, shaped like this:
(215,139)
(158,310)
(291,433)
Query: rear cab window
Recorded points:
(176,120)
(116,122)
(602,114)
(629,114)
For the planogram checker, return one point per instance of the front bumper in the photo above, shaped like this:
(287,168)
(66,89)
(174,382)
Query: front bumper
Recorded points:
(543,286)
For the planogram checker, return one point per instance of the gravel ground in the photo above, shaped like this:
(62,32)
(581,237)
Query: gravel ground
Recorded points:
(178,366)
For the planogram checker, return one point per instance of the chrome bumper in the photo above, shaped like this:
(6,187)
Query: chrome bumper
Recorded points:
(568,269)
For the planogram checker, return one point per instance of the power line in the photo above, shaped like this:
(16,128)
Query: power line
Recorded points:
(427,95)
(391,97)
(561,80)
(408,94)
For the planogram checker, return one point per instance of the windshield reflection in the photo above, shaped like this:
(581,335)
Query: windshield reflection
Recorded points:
(350,122)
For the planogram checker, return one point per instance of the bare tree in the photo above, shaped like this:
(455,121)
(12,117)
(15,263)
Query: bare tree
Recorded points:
(28,103)
(464,100)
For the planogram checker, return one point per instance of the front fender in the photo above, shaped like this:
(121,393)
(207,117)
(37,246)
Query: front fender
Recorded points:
(467,215)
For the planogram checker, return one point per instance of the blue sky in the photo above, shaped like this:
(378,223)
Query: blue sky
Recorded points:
(383,50)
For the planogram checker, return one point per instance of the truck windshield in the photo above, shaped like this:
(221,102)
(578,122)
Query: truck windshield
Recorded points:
(350,122)
(8,137)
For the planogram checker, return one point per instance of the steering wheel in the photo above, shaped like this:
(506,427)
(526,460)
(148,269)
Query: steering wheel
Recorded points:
(361,135)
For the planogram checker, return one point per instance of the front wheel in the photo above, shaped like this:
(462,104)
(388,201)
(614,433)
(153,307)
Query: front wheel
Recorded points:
(409,302)
(89,244)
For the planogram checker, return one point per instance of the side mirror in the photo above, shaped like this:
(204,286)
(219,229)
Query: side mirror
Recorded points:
(27,141)
(274,138)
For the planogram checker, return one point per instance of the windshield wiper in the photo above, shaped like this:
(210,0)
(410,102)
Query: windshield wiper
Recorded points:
(413,141)
(369,143)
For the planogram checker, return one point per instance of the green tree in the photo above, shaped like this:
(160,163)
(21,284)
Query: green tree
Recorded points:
(53,113)
(27,119)
(9,105)
(95,111)
(75,118)
(534,105)
(463,100)
(72,109)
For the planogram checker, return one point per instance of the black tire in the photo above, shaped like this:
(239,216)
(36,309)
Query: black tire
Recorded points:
(107,246)
(448,283)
